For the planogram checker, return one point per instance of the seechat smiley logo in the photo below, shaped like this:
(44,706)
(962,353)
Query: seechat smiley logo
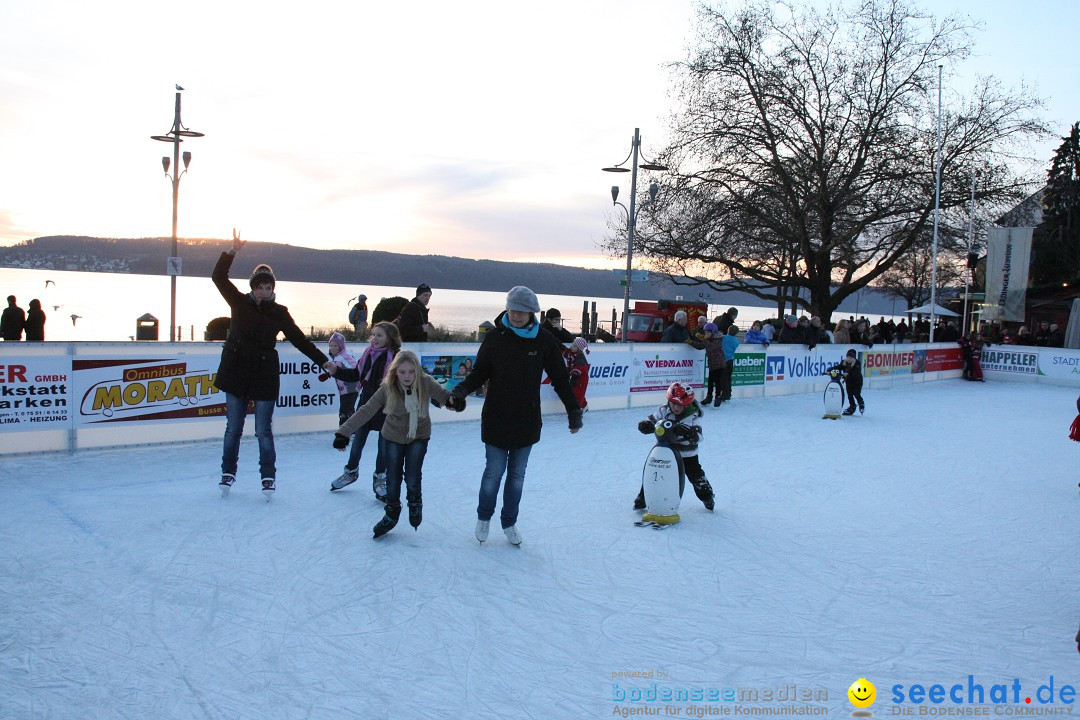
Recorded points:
(862,693)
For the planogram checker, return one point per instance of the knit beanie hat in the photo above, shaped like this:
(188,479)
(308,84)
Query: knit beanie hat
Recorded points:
(522,299)
(262,273)
(338,338)
(711,327)
(791,320)
(421,289)
(581,344)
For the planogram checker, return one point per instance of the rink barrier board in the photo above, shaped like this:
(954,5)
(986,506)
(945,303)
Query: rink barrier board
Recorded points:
(73,396)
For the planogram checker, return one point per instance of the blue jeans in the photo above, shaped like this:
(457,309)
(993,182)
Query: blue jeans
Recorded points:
(499,461)
(235,414)
(357,449)
(404,461)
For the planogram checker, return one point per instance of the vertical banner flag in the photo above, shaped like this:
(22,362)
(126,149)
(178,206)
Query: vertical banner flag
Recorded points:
(1008,253)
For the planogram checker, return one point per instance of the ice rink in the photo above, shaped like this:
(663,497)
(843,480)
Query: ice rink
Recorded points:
(931,539)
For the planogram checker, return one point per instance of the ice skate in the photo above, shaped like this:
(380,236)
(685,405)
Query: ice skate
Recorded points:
(389,520)
(849,411)
(268,487)
(227,480)
(513,535)
(482,527)
(862,409)
(416,512)
(378,486)
(346,478)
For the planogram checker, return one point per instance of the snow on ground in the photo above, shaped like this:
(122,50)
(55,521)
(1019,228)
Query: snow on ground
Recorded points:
(933,538)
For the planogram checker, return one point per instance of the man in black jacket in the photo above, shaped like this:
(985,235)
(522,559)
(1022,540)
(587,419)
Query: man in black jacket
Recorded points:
(553,324)
(412,321)
(511,360)
(12,321)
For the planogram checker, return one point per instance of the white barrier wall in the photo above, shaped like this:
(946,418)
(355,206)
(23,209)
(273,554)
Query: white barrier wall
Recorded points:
(68,396)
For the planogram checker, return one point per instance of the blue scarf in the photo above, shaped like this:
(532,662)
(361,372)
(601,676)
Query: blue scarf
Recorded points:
(528,332)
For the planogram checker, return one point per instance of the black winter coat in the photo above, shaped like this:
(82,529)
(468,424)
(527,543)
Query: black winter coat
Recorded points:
(852,376)
(11,323)
(791,335)
(35,324)
(249,359)
(513,367)
(411,321)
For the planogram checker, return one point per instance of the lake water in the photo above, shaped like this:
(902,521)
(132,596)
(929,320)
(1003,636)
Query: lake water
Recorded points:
(108,304)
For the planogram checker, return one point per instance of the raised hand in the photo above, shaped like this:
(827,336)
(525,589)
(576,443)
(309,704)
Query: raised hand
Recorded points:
(237,243)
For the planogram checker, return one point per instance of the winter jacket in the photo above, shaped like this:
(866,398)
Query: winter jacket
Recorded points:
(561,334)
(411,321)
(791,335)
(373,367)
(249,359)
(731,344)
(817,336)
(714,351)
(35,323)
(11,323)
(513,366)
(675,333)
(687,446)
(577,366)
(841,336)
(755,337)
(852,375)
(396,426)
(723,322)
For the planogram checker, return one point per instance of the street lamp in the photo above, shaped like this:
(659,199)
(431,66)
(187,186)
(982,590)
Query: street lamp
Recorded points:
(175,136)
(631,212)
(970,266)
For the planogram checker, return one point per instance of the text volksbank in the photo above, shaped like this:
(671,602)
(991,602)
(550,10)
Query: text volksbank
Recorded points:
(806,366)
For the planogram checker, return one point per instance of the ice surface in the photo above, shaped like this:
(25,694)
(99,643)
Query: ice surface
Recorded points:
(932,538)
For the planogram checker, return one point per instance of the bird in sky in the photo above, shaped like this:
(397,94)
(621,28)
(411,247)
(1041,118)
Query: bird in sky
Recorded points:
(50,282)
(179,88)
(56,307)
(74,317)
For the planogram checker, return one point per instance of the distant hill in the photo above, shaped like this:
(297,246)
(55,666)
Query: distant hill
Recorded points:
(146,256)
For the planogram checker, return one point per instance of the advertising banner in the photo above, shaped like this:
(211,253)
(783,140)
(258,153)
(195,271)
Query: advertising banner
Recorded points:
(748,369)
(877,363)
(35,393)
(449,370)
(1008,252)
(1018,362)
(139,389)
(654,370)
(1057,363)
(936,360)
(795,365)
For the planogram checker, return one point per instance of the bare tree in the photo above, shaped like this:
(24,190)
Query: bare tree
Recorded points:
(803,150)
(909,278)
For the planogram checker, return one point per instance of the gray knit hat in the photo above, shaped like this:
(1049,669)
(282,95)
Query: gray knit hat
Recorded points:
(262,273)
(522,299)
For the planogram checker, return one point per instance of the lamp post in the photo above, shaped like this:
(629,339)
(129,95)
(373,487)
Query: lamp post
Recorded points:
(937,208)
(969,267)
(631,212)
(175,136)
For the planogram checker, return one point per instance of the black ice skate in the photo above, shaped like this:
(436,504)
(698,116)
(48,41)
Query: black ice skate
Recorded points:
(849,411)
(389,520)
(227,480)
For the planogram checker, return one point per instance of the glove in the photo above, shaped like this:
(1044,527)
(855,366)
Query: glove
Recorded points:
(575,418)
(340,441)
(324,376)
(869,344)
(574,380)
(810,346)
(683,432)
(455,403)
(645,427)
(766,344)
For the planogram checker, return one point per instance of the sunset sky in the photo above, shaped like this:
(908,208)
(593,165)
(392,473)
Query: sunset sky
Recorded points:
(476,129)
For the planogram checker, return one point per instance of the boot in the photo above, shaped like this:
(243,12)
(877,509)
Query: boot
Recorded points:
(482,527)
(346,478)
(708,398)
(717,402)
(388,521)
(849,411)
(416,511)
(378,486)
(704,492)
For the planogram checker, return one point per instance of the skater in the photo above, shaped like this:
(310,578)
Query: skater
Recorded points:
(971,349)
(248,372)
(714,358)
(578,368)
(683,410)
(731,344)
(367,374)
(1074,431)
(511,360)
(849,368)
(405,397)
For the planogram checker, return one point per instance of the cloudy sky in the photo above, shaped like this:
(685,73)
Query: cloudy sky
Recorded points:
(475,129)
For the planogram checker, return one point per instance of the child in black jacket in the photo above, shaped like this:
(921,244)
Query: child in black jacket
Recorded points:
(852,373)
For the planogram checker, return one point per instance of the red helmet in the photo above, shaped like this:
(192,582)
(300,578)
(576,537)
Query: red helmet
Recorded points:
(680,394)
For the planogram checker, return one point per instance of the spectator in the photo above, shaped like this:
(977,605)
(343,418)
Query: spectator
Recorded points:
(12,321)
(841,335)
(901,333)
(755,335)
(816,334)
(412,321)
(1056,339)
(35,322)
(676,332)
(1024,336)
(948,333)
(725,320)
(791,333)
(512,360)
(864,333)
(359,314)
(884,331)
(553,323)
(1042,335)
(769,329)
